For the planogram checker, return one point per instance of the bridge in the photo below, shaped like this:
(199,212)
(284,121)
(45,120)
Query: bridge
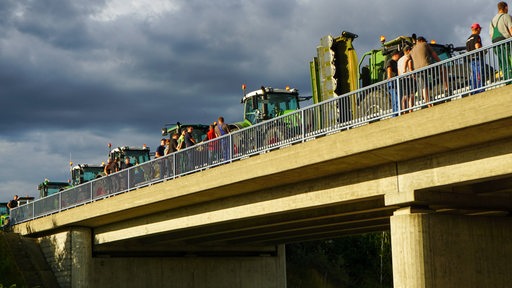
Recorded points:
(438,179)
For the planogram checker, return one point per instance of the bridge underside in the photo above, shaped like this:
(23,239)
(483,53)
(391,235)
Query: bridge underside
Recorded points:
(474,181)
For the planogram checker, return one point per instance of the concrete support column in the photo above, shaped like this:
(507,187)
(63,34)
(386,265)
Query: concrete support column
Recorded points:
(69,254)
(81,257)
(434,250)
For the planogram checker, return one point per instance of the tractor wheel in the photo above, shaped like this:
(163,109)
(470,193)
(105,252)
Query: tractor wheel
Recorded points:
(375,104)
(274,136)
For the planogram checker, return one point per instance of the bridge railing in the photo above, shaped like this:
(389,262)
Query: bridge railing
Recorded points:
(443,81)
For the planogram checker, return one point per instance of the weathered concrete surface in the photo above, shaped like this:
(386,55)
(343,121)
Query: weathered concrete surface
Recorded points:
(197,272)
(445,251)
(69,254)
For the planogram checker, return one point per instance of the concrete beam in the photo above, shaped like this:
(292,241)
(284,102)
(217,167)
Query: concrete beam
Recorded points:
(452,200)
(345,189)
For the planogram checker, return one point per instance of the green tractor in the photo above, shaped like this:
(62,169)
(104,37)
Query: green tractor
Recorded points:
(138,155)
(267,103)
(374,71)
(336,71)
(4,210)
(47,187)
(4,214)
(198,133)
(82,173)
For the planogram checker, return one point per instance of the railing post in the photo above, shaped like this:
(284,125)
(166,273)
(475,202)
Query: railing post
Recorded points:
(128,179)
(232,148)
(302,125)
(398,92)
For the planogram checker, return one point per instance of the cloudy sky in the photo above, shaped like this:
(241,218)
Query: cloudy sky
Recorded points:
(76,75)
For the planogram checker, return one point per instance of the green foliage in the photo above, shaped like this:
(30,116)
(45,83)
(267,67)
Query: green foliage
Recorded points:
(8,269)
(353,261)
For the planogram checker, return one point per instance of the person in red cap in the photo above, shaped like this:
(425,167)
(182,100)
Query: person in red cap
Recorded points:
(474,42)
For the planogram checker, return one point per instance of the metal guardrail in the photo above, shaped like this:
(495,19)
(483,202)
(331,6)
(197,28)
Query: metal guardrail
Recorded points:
(444,81)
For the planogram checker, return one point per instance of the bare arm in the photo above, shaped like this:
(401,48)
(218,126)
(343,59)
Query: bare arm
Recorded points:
(409,63)
(389,72)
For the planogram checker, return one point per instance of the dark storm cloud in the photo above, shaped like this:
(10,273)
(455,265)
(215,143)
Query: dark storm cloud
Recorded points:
(59,23)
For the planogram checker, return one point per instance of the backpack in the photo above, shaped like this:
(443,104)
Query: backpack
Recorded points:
(496,34)
(222,132)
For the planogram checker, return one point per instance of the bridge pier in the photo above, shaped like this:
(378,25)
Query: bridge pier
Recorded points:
(191,271)
(70,254)
(438,250)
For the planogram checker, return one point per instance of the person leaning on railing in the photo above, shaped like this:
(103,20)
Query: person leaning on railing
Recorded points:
(392,71)
(421,54)
(500,29)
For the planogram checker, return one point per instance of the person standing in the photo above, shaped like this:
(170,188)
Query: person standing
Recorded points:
(189,142)
(212,146)
(13,203)
(189,138)
(160,151)
(126,164)
(475,42)
(111,167)
(421,54)
(174,143)
(220,130)
(392,71)
(405,65)
(181,139)
(500,28)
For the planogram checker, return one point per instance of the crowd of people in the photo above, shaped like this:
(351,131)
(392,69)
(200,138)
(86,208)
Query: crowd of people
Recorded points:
(420,55)
(186,138)
(115,165)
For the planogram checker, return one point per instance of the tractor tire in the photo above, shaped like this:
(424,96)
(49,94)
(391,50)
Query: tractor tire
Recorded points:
(375,104)
(274,136)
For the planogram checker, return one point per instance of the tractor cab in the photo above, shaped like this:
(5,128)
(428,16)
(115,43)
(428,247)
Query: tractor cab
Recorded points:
(138,155)
(82,173)
(371,65)
(268,103)
(198,133)
(4,214)
(47,187)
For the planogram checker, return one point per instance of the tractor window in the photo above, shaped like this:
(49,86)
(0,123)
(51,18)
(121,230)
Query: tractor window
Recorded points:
(280,104)
(3,209)
(90,174)
(139,156)
(53,189)
(277,104)
(199,132)
(441,51)
(249,112)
